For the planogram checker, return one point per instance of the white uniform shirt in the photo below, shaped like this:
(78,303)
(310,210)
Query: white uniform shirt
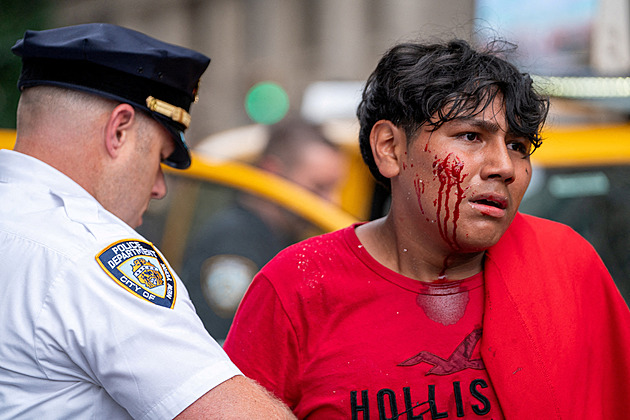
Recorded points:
(78,338)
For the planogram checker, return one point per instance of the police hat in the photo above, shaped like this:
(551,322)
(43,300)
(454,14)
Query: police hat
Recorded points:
(120,64)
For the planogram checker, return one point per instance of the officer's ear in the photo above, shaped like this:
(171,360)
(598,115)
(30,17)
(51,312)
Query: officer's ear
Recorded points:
(118,128)
(388,144)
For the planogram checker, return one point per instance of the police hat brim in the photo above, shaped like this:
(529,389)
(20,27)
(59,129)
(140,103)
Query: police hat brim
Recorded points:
(83,77)
(119,64)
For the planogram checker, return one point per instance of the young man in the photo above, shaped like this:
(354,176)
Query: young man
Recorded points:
(94,322)
(453,304)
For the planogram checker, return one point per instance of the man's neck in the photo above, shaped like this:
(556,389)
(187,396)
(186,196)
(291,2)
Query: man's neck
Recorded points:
(417,260)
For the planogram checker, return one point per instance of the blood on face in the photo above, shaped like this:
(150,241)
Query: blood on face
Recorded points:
(448,171)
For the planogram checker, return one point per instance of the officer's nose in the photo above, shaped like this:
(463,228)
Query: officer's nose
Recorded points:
(159,186)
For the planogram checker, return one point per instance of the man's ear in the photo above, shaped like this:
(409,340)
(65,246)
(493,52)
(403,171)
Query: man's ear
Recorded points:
(118,127)
(388,144)
(272,164)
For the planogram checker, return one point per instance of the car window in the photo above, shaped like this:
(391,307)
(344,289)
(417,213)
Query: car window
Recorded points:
(593,200)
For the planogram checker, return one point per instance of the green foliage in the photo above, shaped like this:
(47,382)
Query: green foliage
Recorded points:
(16,17)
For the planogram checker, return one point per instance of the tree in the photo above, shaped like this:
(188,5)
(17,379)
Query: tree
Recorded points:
(16,17)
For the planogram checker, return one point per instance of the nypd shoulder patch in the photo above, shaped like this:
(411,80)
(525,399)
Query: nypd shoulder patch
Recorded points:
(138,268)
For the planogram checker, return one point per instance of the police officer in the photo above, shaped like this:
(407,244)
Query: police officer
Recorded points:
(94,322)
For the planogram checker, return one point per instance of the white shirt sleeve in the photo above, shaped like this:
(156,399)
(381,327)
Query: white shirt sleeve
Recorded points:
(152,360)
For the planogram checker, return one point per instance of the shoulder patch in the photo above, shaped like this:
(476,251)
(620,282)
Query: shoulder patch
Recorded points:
(138,268)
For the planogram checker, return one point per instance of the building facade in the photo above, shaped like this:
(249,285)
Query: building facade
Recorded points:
(290,42)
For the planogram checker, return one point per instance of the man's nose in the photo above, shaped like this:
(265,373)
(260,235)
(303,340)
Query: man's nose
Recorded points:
(159,186)
(499,163)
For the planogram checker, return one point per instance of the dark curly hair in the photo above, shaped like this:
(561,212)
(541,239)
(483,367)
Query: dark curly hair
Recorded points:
(414,82)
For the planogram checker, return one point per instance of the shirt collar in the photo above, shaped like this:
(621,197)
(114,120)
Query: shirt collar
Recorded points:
(20,168)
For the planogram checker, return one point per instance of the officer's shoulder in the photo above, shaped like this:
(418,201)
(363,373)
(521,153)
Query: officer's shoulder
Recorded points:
(89,231)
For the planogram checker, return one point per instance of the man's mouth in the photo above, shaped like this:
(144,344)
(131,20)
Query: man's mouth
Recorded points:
(490,204)
(500,204)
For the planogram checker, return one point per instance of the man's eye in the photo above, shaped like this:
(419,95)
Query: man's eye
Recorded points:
(470,136)
(520,147)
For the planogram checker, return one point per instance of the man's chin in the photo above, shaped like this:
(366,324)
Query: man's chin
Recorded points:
(136,224)
(477,239)
(478,243)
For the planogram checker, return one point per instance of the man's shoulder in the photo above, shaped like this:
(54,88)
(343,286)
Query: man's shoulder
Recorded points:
(310,269)
(53,211)
(322,247)
(67,229)
(316,244)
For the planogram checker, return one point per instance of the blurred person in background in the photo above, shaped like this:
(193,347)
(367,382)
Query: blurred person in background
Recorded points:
(235,243)
(94,322)
(454,304)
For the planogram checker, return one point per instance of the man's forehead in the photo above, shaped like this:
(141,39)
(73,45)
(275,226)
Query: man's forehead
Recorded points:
(482,113)
(491,123)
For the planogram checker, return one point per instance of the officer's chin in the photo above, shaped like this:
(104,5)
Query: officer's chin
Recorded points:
(135,224)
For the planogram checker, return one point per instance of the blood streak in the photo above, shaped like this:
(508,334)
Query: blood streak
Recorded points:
(449,172)
(419,186)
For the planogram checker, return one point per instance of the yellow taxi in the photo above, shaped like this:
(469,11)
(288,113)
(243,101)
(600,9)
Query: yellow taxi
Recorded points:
(581,178)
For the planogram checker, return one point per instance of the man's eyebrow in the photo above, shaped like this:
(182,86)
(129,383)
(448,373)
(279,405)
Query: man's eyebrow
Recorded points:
(478,123)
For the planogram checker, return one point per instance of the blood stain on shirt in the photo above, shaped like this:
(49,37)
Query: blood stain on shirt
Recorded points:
(446,309)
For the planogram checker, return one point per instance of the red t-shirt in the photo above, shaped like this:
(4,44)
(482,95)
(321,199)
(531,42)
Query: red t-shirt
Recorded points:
(335,334)
(325,326)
